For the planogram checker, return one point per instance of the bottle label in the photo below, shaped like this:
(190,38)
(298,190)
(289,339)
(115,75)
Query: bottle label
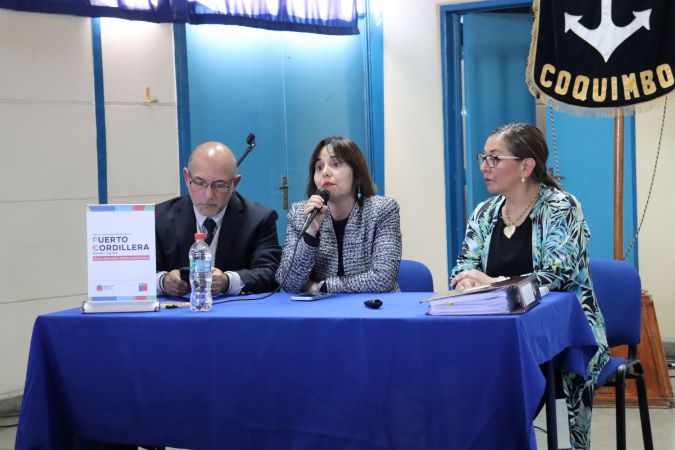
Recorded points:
(200,265)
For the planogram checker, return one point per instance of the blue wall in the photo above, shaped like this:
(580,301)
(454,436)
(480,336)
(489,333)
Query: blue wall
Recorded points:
(586,152)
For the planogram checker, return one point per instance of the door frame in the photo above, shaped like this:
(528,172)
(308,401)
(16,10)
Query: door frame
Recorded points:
(453,132)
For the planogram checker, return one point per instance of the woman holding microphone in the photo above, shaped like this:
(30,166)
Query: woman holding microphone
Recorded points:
(353,243)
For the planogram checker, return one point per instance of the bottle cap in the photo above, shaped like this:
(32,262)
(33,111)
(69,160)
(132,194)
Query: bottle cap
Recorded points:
(200,236)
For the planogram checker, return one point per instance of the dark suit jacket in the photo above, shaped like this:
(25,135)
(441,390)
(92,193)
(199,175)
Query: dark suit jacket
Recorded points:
(247,243)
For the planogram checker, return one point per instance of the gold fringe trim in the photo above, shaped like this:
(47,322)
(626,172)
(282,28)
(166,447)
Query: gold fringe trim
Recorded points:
(529,72)
(628,110)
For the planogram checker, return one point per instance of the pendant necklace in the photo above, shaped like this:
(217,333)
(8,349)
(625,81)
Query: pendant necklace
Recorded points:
(510,227)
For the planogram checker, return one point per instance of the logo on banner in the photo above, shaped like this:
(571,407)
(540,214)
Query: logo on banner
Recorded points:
(114,247)
(602,53)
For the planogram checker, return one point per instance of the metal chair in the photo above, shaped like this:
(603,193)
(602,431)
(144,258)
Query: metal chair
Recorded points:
(619,293)
(413,276)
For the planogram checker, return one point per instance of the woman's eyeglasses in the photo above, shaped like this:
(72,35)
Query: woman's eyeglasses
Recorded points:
(492,160)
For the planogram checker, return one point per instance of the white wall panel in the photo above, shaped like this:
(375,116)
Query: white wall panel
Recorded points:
(142,151)
(50,149)
(142,139)
(657,241)
(135,55)
(413,130)
(44,241)
(48,144)
(45,57)
(143,199)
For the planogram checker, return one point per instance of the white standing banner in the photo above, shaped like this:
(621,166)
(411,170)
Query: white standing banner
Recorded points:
(121,252)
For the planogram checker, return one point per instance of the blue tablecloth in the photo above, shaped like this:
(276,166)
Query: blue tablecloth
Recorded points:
(281,374)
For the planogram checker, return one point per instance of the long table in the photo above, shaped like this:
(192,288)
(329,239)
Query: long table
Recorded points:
(281,374)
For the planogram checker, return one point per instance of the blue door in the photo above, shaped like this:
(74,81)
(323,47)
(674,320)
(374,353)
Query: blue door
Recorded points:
(236,87)
(289,89)
(495,57)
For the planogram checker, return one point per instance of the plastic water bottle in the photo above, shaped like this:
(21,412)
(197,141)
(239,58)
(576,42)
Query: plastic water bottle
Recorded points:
(200,275)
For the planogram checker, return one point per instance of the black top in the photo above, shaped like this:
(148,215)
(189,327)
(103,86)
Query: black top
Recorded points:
(510,257)
(339,227)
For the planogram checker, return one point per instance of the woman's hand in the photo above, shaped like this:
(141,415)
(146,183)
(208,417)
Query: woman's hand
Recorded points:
(312,287)
(315,202)
(471,278)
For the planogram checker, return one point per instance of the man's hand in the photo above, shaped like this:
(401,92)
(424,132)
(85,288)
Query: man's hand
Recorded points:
(173,285)
(220,282)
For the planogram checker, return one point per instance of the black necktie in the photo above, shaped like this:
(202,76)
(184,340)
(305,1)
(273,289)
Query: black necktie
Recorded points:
(210,226)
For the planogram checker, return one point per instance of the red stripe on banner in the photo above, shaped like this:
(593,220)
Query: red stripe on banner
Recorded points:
(122,258)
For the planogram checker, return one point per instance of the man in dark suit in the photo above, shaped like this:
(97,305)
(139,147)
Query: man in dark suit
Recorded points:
(242,234)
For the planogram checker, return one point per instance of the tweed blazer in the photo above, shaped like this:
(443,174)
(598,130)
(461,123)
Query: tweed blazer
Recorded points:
(371,251)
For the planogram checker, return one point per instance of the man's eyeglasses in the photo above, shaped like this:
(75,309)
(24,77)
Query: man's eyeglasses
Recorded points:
(492,160)
(216,186)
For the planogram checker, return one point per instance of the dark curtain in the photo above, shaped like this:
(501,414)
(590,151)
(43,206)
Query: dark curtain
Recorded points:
(312,16)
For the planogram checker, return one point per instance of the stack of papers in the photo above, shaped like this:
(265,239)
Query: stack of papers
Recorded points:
(469,305)
(511,296)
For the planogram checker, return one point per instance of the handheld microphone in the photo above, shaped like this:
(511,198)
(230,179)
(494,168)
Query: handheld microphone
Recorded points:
(325,195)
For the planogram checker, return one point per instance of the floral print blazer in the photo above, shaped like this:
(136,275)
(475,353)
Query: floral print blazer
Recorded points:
(560,261)
(559,248)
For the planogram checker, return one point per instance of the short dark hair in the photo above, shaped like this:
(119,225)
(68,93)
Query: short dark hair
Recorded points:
(348,152)
(527,141)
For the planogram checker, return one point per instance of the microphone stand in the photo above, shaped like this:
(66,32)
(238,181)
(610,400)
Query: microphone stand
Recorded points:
(250,140)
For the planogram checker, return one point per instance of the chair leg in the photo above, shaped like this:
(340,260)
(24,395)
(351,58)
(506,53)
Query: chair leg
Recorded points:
(621,408)
(551,422)
(644,412)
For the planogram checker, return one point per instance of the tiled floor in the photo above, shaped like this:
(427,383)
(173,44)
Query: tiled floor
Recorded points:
(603,428)
(602,431)
(7,432)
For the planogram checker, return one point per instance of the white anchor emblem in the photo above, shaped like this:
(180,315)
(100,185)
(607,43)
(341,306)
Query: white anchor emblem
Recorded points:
(607,37)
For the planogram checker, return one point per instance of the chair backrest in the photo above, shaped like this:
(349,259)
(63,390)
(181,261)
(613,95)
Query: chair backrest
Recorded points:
(413,276)
(619,293)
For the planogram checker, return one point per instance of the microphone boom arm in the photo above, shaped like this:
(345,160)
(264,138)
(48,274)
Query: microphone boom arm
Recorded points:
(250,140)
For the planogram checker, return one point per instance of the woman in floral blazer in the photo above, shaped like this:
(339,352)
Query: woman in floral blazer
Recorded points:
(533,226)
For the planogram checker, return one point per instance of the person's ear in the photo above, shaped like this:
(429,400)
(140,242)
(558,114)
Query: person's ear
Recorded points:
(528,167)
(186,174)
(235,182)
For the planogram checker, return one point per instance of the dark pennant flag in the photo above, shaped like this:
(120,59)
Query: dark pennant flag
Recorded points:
(602,53)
